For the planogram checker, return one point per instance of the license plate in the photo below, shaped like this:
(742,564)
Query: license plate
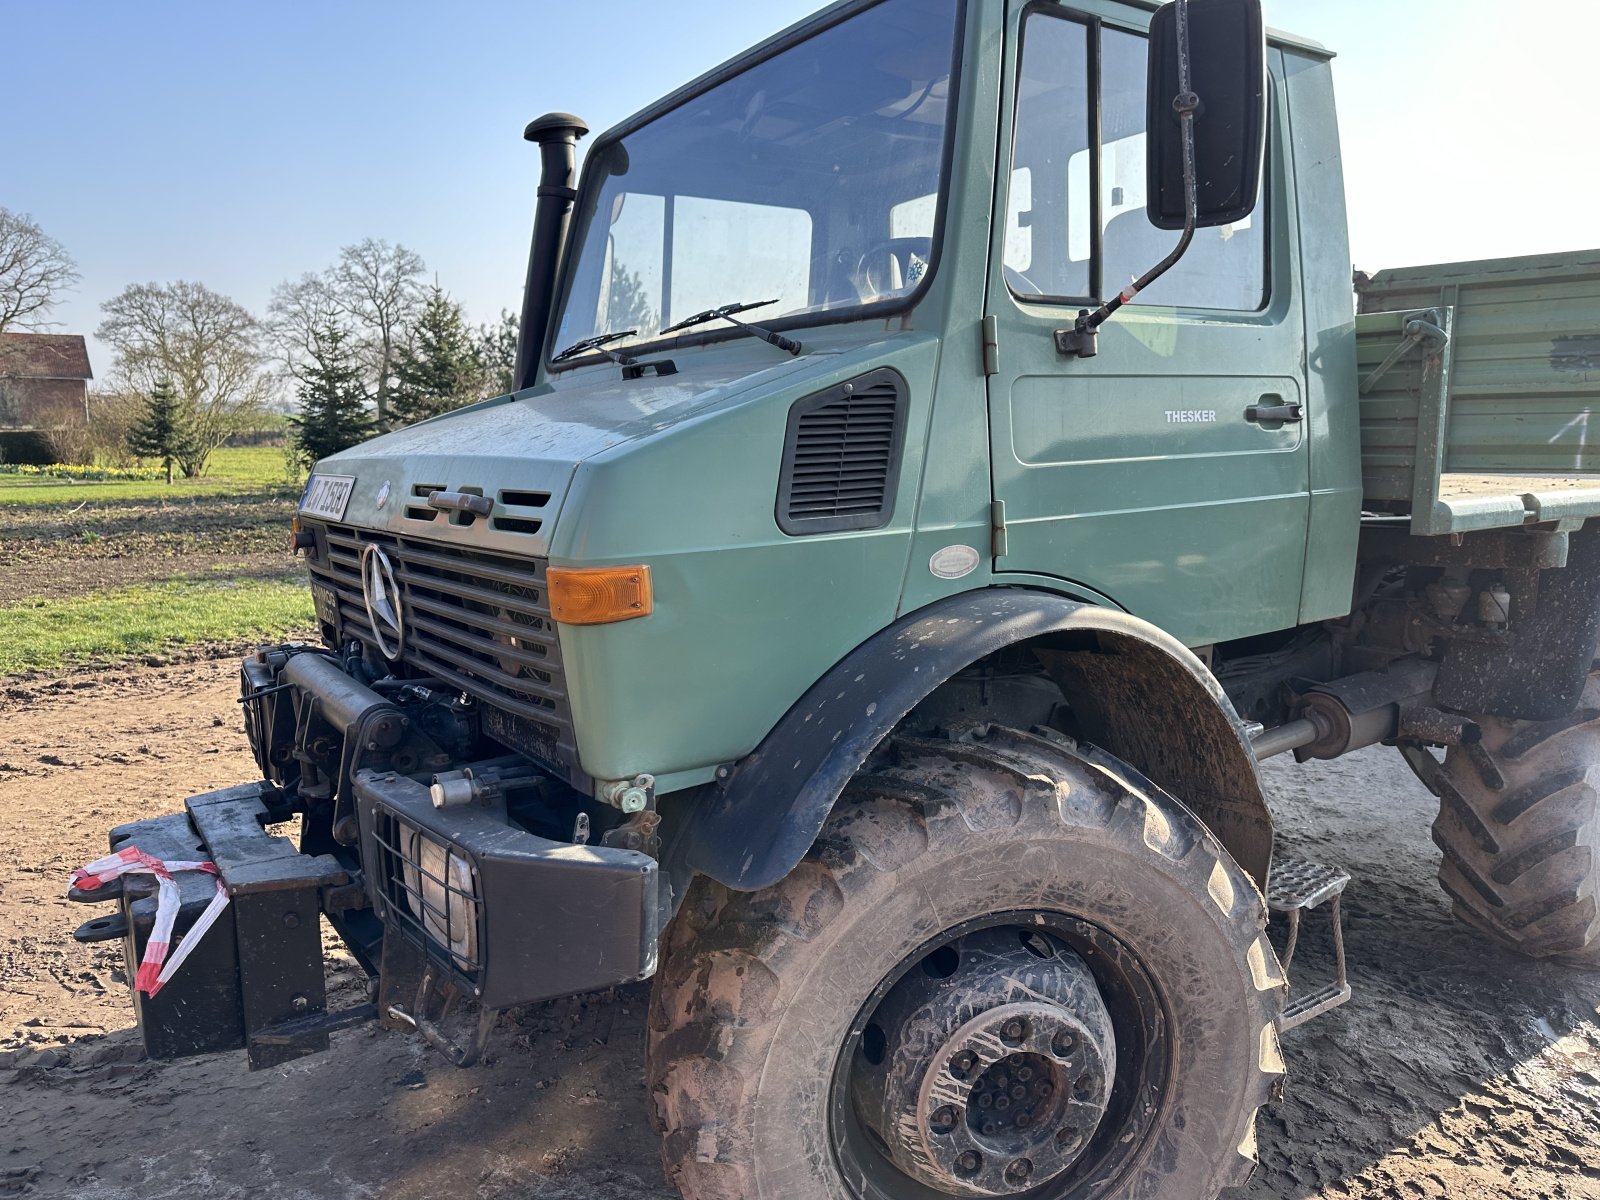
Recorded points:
(326,603)
(327,496)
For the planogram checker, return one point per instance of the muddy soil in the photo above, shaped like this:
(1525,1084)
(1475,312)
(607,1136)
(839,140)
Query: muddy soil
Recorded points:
(1458,1071)
(58,550)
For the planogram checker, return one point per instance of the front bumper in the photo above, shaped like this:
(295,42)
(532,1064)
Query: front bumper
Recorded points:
(462,896)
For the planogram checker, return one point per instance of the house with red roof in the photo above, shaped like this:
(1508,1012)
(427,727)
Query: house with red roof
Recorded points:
(44,381)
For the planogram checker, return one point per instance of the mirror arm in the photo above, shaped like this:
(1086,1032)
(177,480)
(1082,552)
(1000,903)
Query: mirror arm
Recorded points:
(1083,339)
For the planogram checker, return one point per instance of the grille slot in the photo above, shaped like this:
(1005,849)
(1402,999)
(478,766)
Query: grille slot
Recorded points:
(841,458)
(478,621)
(514,499)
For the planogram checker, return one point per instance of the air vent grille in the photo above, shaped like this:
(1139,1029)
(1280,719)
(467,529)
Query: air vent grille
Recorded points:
(841,461)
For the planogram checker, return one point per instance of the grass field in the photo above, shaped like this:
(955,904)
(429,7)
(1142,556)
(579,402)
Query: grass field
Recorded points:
(148,618)
(101,571)
(257,468)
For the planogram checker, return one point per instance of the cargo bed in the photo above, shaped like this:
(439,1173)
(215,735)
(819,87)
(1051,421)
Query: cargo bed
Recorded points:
(1479,382)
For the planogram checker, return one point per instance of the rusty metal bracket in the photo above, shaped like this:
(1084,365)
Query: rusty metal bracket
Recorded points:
(1424,329)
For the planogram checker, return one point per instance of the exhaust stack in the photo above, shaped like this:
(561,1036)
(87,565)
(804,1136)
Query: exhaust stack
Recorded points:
(557,135)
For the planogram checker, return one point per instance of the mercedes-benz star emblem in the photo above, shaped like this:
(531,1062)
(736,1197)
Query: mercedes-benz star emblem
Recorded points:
(382,596)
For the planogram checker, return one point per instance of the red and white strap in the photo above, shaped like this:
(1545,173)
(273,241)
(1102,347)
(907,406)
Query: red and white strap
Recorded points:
(155,969)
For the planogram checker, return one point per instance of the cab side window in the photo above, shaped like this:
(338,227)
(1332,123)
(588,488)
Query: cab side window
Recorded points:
(1066,243)
(1049,230)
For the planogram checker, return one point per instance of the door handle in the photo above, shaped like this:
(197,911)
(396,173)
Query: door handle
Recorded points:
(1275,414)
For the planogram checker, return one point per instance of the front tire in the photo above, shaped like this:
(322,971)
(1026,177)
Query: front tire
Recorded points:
(763,1011)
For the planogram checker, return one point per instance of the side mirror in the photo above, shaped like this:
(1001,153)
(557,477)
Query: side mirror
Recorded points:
(1227,71)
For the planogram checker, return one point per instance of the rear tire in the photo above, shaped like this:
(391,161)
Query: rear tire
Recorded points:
(761,995)
(1519,825)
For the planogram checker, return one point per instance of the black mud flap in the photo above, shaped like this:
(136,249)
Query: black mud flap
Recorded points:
(255,980)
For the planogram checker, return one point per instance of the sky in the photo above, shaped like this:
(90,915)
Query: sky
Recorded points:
(241,144)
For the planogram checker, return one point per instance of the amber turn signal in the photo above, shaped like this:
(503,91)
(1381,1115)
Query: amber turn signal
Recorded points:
(599,595)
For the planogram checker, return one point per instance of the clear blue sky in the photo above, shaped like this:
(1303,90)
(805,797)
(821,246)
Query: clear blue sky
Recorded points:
(240,144)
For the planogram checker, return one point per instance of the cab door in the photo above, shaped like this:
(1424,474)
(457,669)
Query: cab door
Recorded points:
(1171,472)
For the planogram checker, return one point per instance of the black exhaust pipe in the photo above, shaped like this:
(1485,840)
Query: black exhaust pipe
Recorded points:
(557,135)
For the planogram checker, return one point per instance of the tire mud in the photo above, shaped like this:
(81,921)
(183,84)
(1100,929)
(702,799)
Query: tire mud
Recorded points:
(1458,1070)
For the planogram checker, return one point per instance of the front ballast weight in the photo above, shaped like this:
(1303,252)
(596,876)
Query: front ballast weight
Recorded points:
(254,980)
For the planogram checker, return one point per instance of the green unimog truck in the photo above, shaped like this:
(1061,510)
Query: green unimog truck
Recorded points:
(947,460)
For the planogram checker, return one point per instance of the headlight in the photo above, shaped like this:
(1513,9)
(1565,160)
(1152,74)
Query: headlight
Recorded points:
(441,892)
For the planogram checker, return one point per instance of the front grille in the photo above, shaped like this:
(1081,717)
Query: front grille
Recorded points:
(478,621)
(430,891)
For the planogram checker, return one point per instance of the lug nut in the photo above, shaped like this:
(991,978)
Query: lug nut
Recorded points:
(944,1119)
(1018,1172)
(1061,1045)
(961,1065)
(969,1163)
(1014,1030)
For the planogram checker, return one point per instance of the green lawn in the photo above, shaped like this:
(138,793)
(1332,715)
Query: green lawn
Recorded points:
(256,468)
(149,618)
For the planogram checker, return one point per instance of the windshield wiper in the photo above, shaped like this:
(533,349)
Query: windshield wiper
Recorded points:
(632,368)
(727,313)
(600,343)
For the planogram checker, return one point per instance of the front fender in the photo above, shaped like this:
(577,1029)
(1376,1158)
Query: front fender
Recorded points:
(1137,692)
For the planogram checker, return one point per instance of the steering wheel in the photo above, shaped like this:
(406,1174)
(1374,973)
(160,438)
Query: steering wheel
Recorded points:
(1021,285)
(892,265)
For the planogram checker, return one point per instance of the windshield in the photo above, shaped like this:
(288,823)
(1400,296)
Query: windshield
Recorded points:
(812,179)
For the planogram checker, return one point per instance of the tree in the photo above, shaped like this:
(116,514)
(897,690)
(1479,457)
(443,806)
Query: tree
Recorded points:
(440,368)
(373,294)
(378,285)
(333,399)
(627,305)
(205,345)
(497,354)
(164,430)
(298,315)
(34,270)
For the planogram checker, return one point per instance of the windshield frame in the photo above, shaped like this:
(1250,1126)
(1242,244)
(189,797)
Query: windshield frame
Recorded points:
(756,56)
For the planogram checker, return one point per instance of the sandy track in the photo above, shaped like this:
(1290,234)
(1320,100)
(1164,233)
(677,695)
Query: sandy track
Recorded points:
(1457,1072)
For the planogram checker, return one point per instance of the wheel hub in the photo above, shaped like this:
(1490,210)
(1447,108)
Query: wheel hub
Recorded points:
(987,1070)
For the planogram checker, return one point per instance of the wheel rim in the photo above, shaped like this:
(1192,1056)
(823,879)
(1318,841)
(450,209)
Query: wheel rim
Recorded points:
(952,1084)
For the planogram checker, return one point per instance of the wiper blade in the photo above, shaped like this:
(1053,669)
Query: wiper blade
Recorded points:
(591,344)
(727,313)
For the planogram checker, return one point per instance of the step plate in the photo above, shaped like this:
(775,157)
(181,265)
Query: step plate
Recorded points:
(1297,884)
(1296,887)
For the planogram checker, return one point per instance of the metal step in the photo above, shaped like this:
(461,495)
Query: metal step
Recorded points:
(1295,887)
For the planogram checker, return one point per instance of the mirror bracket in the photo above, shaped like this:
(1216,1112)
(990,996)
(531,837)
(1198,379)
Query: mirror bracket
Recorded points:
(1081,341)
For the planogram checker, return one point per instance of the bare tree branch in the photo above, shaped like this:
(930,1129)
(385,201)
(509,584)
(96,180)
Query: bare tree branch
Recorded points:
(34,270)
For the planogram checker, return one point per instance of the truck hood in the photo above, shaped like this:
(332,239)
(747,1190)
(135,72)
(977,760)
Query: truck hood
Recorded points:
(522,450)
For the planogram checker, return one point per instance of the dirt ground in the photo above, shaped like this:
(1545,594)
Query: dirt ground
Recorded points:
(56,551)
(1457,1072)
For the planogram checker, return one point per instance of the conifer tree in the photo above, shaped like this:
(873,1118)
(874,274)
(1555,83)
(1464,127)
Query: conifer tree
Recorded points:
(441,368)
(164,430)
(333,399)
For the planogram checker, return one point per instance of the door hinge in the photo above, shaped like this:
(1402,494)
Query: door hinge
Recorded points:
(997,528)
(991,345)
